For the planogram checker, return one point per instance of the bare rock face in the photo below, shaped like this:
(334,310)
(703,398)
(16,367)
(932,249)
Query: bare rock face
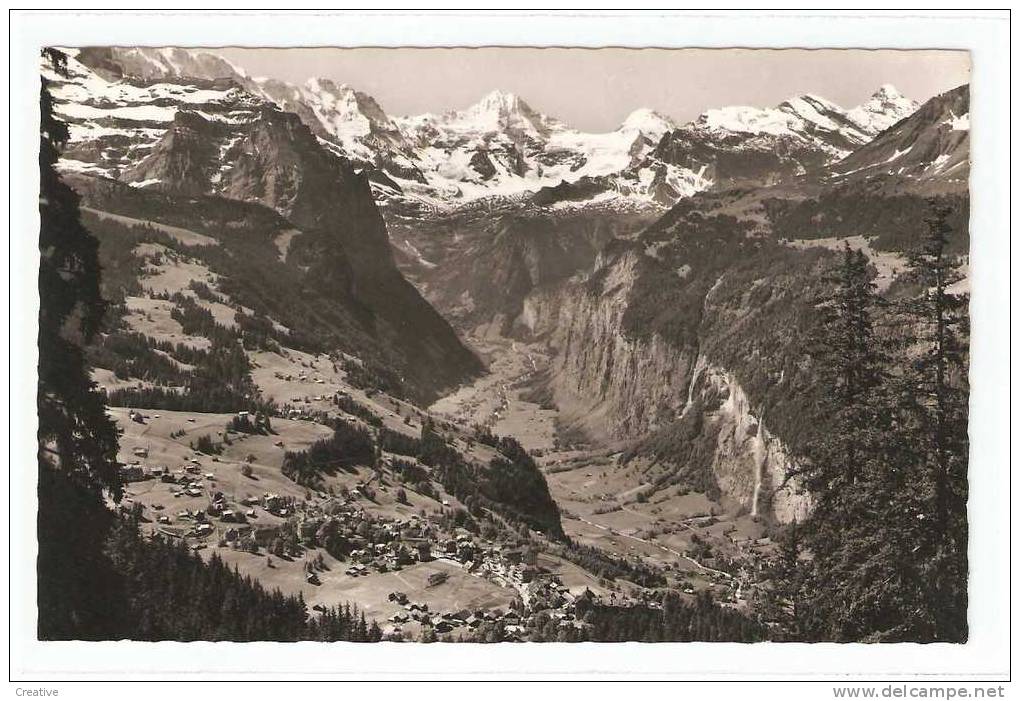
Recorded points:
(269,167)
(628,386)
(622,388)
(183,160)
(750,464)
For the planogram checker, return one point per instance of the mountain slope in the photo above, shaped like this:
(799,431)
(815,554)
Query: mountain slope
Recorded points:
(217,140)
(932,144)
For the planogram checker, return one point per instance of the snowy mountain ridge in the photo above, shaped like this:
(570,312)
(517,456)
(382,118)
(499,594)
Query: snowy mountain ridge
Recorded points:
(501,146)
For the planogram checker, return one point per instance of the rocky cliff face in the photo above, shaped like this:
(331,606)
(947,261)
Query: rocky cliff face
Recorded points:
(605,382)
(750,464)
(477,266)
(711,306)
(186,157)
(624,388)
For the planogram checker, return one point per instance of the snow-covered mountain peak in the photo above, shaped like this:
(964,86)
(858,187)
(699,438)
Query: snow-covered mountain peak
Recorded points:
(930,143)
(501,111)
(885,107)
(745,120)
(813,109)
(500,100)
(162,63)
(498,147)
(887,91)
(325,85)
(330,90)
(648,122)
(345,111)
(786,119)
(811,118)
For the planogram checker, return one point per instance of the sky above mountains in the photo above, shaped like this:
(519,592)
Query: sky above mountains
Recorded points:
(595,89)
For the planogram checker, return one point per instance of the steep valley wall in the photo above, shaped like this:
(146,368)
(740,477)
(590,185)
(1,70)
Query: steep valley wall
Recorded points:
(619,388)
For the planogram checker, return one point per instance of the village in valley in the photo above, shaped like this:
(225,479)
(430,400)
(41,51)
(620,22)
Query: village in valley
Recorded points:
(409,556)
(444,578)
(382,533)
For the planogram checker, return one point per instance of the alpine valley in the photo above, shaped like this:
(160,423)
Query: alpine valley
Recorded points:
(479,372)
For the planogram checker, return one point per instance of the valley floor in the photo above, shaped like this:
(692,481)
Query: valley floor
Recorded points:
(600,497)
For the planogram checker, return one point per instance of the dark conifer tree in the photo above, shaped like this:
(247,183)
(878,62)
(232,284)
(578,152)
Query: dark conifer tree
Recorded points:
(937,398)
(854,580)
(75,433)
(77,440)
(781,603)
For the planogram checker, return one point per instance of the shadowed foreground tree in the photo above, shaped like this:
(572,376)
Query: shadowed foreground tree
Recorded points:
(847,466)
(937,401)
(77,440)
(883,555)
(74,431)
